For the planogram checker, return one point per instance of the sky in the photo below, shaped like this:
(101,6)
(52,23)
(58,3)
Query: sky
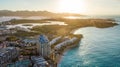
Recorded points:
(92,7)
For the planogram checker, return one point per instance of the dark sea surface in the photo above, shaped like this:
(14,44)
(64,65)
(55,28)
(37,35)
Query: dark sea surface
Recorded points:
(98,48)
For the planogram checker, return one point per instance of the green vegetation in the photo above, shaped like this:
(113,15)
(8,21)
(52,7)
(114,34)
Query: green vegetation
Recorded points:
(12,38)
(62,30)
(14,21)
(27,24)
(25,34)
(74,23)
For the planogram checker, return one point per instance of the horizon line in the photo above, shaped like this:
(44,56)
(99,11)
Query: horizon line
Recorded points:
(58,12)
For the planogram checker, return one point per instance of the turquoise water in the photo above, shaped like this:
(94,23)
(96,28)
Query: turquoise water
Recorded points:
(98,48)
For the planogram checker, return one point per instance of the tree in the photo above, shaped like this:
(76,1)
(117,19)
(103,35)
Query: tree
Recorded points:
(11,38)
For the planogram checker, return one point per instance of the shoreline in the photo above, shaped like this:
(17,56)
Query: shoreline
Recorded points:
(72,25)
(74,45)
(68,48)
(68,30)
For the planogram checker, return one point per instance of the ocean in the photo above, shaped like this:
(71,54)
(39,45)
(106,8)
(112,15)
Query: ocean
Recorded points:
(100,47)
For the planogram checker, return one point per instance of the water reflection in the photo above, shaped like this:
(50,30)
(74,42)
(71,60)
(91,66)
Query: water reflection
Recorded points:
(98,48)
(31,25)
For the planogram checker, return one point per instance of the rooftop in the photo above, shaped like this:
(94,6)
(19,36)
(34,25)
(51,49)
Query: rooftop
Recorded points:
(38,60)
(43,39)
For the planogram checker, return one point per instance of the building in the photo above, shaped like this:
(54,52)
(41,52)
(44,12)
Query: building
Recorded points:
(55,40)
(30,42)
(7,55)
(65,43)
(39,61)
(43,47)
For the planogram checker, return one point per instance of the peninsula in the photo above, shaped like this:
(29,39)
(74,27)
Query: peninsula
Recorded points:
(58,37)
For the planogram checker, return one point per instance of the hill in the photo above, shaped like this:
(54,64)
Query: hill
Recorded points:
(35,13)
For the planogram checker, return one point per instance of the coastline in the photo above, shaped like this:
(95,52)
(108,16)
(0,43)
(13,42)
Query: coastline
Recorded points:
(65,50)
(76,44)
(69,47)
(63,30)
(77,54)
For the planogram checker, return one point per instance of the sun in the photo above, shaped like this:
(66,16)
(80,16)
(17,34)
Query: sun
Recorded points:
(72,6)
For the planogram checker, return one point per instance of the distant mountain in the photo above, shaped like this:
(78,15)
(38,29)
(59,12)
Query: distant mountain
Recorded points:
(35,13)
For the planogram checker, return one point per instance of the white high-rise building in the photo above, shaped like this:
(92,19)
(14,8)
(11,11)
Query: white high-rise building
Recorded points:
(43,46)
